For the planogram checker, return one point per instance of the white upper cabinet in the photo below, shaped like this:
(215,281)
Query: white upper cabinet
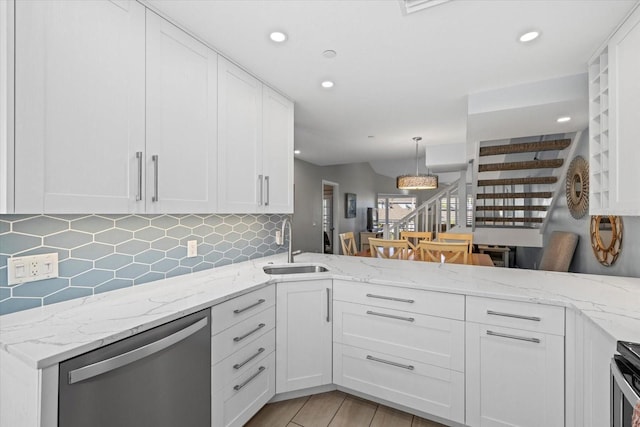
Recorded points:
(255,154)
(277,152)
(624,107)
(181,146)
(79,107)
(614,126)
(240,139)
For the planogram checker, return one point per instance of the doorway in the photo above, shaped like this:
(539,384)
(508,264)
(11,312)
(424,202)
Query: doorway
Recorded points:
(329,218)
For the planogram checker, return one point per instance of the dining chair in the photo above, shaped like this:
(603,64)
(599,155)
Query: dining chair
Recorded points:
(457,237)
(348,242)
(390,249)
(414,237)
(452,251)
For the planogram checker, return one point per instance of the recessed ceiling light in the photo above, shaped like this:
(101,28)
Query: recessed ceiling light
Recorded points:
(529,36)
(278,36)
(327,84)
(563,119)
(296,151)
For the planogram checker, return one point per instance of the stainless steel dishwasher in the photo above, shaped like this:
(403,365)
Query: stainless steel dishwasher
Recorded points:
(158,378)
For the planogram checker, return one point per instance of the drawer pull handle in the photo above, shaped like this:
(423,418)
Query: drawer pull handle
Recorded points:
(515,316)
(513,337)
(260,326)
(240,365)
(410,301)
(251,378)
(388,362)
(240,310)
(391,316)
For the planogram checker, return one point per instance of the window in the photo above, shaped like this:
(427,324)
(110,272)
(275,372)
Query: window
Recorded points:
(393,208)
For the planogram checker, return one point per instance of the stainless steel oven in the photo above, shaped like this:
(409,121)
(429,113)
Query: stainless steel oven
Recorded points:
(625,384)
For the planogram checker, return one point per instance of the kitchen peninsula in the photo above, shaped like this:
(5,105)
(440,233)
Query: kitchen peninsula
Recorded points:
(597,310)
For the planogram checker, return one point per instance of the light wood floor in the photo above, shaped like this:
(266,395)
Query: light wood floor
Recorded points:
(333,409)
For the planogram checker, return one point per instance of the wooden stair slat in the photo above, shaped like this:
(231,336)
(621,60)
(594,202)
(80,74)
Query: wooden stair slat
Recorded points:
(498,219)
(529,195)
(518,181)
(527,147)
(537,208)
(510,166)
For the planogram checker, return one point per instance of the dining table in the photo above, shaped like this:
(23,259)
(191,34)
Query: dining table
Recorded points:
(476,259)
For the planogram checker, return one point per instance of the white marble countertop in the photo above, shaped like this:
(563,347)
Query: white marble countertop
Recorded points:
(44,336)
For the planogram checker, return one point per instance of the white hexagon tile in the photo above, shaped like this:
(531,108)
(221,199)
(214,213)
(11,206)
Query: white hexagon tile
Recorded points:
(99,253)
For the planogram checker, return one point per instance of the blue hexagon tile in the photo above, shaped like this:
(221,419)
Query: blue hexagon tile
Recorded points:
(104,252)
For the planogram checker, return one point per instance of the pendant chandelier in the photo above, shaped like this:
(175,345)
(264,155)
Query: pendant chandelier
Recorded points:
(417,181)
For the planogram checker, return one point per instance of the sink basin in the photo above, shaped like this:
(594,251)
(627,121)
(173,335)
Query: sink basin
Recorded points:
(293,269)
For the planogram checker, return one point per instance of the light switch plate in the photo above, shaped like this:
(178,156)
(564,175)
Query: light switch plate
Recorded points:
(192,248)
(31,268)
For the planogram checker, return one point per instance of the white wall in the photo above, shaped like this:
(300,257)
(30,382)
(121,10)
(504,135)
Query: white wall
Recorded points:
(584,260)
(357,178)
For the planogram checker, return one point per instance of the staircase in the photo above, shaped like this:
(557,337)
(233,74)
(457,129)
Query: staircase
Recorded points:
(515,186)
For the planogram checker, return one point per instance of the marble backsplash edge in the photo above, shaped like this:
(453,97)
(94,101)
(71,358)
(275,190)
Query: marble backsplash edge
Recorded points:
(102,252)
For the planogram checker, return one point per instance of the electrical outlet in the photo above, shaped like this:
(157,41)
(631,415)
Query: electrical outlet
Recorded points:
(192,248)
(31,268)
(279,237)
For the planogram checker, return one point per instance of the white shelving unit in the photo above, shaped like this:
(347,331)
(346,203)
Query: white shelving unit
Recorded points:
(599,132)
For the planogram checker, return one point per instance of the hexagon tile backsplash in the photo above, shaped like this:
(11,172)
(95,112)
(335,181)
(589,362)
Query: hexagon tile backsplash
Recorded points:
(100,253)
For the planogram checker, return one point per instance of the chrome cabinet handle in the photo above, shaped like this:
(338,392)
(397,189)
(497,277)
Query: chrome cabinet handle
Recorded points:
(240,310)
(266,180)
(391,316)
(513,337)
(261,180)
(154,159)
(251,378)
(328,304)
(388,362)
(129,357)
(240,338)
(515,316)
(410,301)
(139,158)
(241,364)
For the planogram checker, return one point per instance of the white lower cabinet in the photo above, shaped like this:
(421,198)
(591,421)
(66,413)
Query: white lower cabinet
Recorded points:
(243,357)
(407,356)
(514,375)
(303,335)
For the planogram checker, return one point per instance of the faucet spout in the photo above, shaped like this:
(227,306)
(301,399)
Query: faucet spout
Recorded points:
(290,254)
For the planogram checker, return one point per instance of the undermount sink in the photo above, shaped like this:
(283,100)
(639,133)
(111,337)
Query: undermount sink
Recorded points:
(294,269)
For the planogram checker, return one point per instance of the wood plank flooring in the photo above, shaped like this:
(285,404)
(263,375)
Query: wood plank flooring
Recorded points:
(334,409)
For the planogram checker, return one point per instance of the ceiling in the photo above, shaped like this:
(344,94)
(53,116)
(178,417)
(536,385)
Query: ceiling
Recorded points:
(396,76)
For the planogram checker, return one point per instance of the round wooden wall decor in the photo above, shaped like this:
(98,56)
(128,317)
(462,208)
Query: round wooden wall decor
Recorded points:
(578,187)
(606,238)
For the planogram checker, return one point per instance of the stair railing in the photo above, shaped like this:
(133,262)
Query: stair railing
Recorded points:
(428,216)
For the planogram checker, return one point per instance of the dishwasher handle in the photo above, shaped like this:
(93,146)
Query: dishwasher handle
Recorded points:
(129,357)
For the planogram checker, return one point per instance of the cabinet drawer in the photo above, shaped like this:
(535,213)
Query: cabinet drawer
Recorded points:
(432,340)
(520,315)
(416,385)
(237,309)
(413,300)
(243,360)
(242,334)
(237,402)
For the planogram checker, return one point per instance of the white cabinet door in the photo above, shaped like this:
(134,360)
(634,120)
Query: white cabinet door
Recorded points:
(303,335)
(181,121)
(79,105)
(277,152)
(624,106)
(240,140)
(512,380)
